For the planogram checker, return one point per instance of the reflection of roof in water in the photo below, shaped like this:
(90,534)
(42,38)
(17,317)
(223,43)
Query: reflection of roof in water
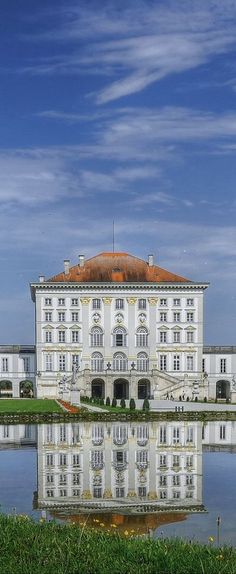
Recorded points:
(138,523)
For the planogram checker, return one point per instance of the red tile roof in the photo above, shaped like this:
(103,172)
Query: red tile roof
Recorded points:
(117,267)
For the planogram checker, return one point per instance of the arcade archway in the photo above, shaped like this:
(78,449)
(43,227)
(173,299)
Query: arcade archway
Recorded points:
(121,389)
(144,389)
(98,389)
(223,389)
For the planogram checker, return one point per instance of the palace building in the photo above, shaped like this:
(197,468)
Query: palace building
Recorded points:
(129,328)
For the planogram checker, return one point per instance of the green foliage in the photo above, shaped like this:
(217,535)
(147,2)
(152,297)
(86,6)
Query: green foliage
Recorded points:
(114,402)
(48,548)
(146,405)
(108,401)
(132,405)
(122,403)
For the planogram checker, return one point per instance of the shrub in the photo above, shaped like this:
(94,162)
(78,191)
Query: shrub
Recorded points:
(114,402)
(196,399)
(205,399)
(101,401)
(132,405)
(122,403)
(108,401)
(187,399)
(146,405)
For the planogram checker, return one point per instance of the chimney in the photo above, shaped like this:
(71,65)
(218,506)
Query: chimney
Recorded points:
(81,260)
(150,260)
(41,278)
(66,266)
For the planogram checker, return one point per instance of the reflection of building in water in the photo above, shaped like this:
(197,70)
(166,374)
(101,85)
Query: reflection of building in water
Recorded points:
(219,435)
(17,435)
(120,465)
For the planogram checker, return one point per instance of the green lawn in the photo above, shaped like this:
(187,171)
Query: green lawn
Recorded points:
(29,406)
(27,547)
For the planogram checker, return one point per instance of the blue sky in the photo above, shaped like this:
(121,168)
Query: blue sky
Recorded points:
(120,110)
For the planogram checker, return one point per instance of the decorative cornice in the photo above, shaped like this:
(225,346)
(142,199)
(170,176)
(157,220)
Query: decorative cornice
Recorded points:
(85,300)
(152,301)
(107,300)
(131,300)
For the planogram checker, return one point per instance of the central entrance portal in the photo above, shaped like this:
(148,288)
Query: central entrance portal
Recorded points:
(121,389)
(98,389)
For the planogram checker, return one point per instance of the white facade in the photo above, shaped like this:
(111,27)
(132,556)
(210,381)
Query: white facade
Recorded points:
(115,465)
(128,339)
(17,367)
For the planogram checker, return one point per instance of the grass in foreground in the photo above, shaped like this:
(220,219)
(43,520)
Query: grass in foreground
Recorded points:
(27,547)
(29,406)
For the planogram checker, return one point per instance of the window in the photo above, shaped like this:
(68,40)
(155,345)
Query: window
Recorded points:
(162,460)
(96,303)
(49,460)
(97,492)
(49,478)
(62,459)
(75,336)
(120,362)
(189,362)
(75,460)
(74,302)
(176,302)
(61,301)
(120,492)
(176,494)
(119,337)
(189,494)
(26,364)
(163,494)
(190,302)
(48,301)
(176,480)
(142,491)
(61,336)
(223,366)
(163,317)
(176,317)
(142,303)
(163,336)
(163,480)
(6,431)
(189,480)
(163,302)
(119,303)
(76,492)
(162,434)
(48,316)
(5,365)
(62,433)
(163,362)
(96,337)
(176,435)
(48,362)
(141,337)
(189,434)
(190,317)
(62,492)
(49,493)
(62,363)
(97,459)
(190,337)
(48,336)
(61,316)
(97,362)
(176,461)
(120,457)
(74,316)
(176,363)
(176,336)
(62,479)
(189,460)
(142,362)
(49,434)
(76,479)
(222,432)
(142,457)
(203,365)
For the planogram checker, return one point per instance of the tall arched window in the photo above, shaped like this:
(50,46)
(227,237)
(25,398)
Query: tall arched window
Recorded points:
(142,362)
(96,337)
(120,362)
(141,337)
(119,337)
(97,362)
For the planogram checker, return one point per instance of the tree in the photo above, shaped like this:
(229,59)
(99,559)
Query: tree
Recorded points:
(132,405)
(146,405)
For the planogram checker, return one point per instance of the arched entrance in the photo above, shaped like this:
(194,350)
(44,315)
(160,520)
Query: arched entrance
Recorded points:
(6,388)
(144,389)
(98,389)
(26,389)
(121,389)
(223,389)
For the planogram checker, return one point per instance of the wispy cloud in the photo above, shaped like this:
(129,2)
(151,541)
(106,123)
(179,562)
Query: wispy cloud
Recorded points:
(137,45)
